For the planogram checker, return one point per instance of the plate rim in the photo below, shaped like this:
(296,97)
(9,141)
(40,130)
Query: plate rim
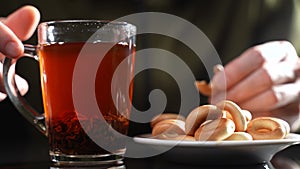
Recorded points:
(291,138)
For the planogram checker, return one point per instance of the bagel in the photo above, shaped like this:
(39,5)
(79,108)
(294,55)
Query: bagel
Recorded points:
(203,87)
(286,125)
(266,128)
(226,114)
(165,116)
(175,137)
(235,111)
(215,130)
(247,114)
(239,136)
(199,115)
(169,126)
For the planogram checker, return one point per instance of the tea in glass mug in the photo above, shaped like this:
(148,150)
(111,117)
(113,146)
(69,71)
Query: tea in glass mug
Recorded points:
(62,47)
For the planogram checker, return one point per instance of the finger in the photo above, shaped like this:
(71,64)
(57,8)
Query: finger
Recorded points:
(23,21)
(273,98)
(21,83)
(282,72)
(249,87)
(214,99)
(2,96)
(252,59)
(18,26)
(10,45)
(238,69)
(286,93)
(262,79)
(277,51)
(1,55)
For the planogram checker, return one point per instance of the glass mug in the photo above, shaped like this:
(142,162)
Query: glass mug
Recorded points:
(66,52)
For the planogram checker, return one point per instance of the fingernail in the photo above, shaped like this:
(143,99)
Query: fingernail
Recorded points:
(218,68)
(12,49)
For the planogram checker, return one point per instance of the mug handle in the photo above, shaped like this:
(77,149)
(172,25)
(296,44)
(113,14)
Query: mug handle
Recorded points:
(26,110)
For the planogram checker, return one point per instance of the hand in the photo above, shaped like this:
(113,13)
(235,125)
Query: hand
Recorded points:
(265,80)
(17,27)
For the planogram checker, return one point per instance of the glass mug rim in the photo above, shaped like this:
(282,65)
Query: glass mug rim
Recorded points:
(59,31)
(85,21)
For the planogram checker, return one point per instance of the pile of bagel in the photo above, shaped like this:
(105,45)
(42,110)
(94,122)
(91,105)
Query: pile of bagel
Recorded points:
(223,121)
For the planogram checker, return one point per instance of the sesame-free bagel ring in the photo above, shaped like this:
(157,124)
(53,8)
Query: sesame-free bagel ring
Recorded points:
(200,114)
(169,126)
(165,116)
(240,136)
(215,130)
(266,128)
(236,112)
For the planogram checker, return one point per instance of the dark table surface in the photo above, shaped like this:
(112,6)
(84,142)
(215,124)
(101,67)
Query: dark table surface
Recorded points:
(288,158)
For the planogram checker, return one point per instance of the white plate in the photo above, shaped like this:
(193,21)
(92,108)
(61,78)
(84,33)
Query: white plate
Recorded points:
(219,152)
